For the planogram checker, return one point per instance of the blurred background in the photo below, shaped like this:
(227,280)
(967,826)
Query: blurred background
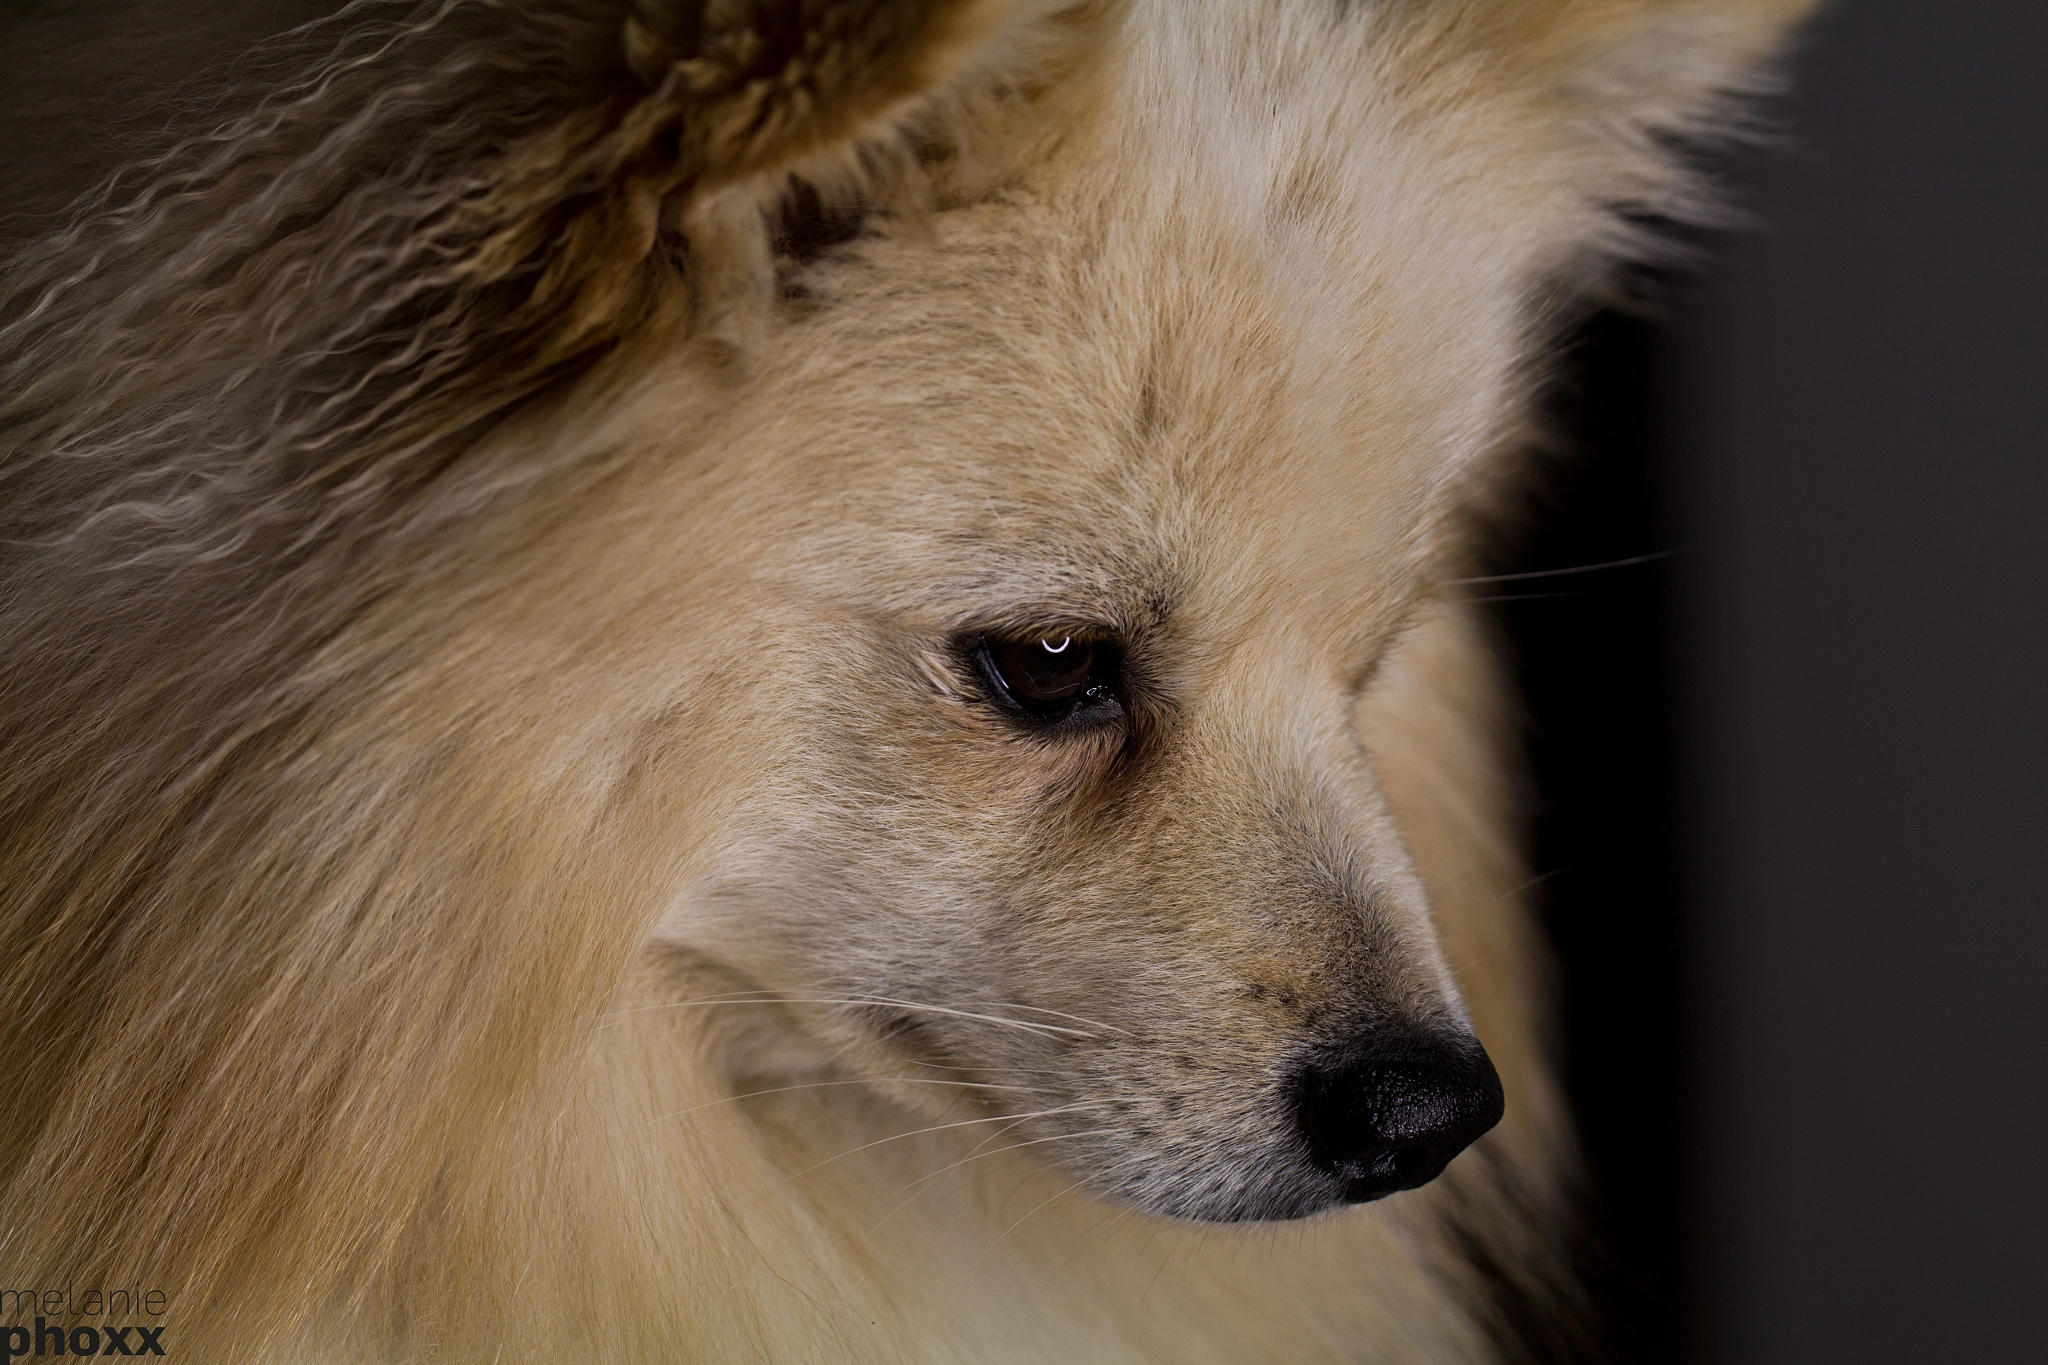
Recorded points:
(1790,766)
(1792,779)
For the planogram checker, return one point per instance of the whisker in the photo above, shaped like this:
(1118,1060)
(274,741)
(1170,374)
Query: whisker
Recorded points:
(1028,1025)
(855,1080)
(1070,1188)
(985,1018)
(1166,1261)
(940,1128)
(1146,1246)
(1077,1018)
(1536,881)
(1060,1073)
(1073,1247)
(902,1199)
(1559,573)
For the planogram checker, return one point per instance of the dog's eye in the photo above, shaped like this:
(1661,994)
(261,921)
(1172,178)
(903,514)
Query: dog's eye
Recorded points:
(1050,674)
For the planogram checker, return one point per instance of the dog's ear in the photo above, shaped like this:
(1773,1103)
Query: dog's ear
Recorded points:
(747,86)
(743,93)
(451,206)
(1650,63)
(715,101)
(1600,93)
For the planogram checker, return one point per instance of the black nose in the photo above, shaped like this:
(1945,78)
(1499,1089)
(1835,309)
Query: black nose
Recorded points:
(1388,1114)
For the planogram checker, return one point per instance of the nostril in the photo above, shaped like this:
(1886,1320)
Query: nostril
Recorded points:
(1388,1114)
(1403,1168)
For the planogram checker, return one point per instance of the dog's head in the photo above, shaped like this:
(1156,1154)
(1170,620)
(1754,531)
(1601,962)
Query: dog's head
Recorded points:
(1041,563)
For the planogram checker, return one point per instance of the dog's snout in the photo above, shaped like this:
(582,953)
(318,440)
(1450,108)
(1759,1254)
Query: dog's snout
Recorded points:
(1389,1114)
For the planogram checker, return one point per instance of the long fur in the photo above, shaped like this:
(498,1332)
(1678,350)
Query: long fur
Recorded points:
(424,496)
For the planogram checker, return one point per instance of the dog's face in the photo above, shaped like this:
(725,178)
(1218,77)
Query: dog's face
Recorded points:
(1028,587)
(1058,575)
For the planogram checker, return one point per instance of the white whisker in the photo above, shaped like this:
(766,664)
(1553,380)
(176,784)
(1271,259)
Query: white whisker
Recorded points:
(855,1080)
(901,1199)
(984,1018)
(1069,1189)
(942,1127)
(1077,1018)
(1560,573)
(1027,1025)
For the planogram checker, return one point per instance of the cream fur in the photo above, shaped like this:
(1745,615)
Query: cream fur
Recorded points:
(478,674)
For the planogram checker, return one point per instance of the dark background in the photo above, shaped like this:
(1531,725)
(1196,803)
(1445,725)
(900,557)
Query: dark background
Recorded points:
(1793,780)
(1789,781)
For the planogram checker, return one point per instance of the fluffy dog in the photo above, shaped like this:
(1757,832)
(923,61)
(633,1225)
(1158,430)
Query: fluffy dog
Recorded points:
(767,680)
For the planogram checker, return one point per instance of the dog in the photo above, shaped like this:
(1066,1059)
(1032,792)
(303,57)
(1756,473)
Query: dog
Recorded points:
(753,680)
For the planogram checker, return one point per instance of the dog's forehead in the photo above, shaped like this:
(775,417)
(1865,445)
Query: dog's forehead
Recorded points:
(1013,408)
(1248,330)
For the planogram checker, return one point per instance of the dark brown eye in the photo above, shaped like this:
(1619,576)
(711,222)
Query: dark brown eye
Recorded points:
(1049,674)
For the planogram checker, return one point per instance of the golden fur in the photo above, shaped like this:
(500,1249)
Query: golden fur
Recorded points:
(494,837)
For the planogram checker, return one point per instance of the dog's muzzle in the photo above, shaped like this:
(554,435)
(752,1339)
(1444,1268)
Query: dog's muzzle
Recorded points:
(1388,1114)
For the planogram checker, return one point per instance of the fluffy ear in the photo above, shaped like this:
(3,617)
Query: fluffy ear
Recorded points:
(1651,63)
(1598,92)
(716,93)
(454,204)
(734,93)
(753,85)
